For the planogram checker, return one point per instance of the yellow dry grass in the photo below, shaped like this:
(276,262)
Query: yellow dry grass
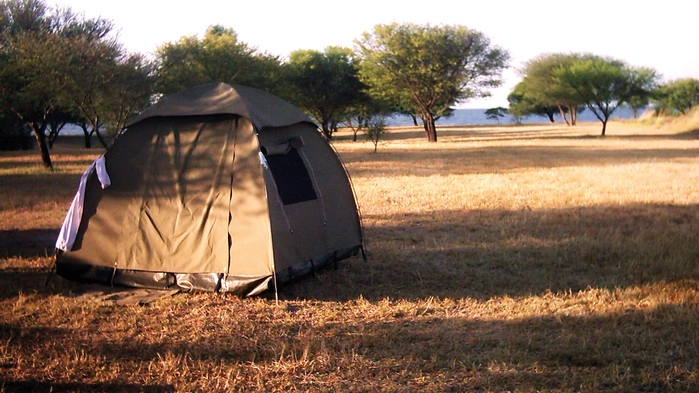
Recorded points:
(537,258)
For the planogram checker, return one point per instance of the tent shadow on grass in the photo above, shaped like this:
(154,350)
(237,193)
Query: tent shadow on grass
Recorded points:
(477,254)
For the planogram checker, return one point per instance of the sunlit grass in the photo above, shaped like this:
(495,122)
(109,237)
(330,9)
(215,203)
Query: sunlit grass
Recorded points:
(539,258)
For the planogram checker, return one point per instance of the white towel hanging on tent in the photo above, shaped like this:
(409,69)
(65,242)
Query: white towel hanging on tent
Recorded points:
(69,229)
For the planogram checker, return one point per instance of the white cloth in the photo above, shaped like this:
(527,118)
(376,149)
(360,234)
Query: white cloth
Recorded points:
(69,229)
(102,174)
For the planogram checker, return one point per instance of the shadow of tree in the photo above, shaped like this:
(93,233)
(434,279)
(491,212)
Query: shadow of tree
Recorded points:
(39,387)
(28,243)
(544,132)
(499,159)
(486,253)
(621,351)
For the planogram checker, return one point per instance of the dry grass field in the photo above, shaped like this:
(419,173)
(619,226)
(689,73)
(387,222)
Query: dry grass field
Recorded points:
(538,258)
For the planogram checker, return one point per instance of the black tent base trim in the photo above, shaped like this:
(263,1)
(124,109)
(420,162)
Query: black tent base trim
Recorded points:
(210,282)
(312,266)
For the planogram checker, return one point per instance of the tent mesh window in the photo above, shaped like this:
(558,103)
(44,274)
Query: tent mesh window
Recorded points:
(293,182)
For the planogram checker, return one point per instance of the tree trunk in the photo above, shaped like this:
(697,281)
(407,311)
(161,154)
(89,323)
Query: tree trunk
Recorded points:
(100,138)
(604,127)
(55,129)
(564,116)
(43,146)
(40,135)
(327,132)
(88,140)
(430,127)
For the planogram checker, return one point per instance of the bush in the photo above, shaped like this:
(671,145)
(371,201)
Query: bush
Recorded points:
(375,130)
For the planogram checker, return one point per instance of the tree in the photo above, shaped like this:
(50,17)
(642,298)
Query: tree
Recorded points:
(677,96)
(357,116)
(218,57)
(496,113)
(131,89)
(602,84)
(90,74)
(645,81)
(428,69)
(107,87)
(376,128)
(542,90)
(325,84)
(523,102)
(31,67)
(37,56)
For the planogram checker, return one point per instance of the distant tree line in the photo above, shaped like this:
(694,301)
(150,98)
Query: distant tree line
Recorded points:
(568,83)
(58,68)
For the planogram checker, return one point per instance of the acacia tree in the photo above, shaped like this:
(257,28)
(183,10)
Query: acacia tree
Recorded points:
(604,84)
(131,90)
(646,82)
(358,116)
(107,87)
(29,59)
(496,113)
(677,96)
(522,103)
(541,89)
(99,79)
(429,68)
(44,55)
(218,57)
(325,84)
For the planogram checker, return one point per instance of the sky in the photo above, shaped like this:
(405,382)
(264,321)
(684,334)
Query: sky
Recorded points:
(659,35)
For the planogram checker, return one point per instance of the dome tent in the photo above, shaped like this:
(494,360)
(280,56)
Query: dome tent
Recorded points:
(218,188)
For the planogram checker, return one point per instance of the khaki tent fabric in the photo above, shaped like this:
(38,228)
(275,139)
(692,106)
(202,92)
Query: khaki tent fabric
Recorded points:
(261,108)
(194,202)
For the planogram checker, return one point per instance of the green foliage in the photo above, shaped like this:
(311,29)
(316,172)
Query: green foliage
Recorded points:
(677,96)
(376,128)
(496,113)
(570,81)
(57,67)
(523,103)
(425,70)
(105,86)
(603,84)
(644,84)
(539,91)
(218,57)
(325,84)
(357,116)
(32,63)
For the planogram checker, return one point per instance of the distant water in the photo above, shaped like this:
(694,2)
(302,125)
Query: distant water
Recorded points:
(463,117)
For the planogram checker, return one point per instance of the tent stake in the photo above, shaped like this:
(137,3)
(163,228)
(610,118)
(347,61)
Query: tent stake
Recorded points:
(276,290)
